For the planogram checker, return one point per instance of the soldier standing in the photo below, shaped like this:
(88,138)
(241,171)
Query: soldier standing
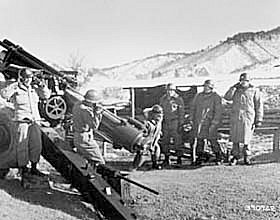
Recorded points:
(205,116)
(173,120)
(247,113)
(87,115)
(25,98)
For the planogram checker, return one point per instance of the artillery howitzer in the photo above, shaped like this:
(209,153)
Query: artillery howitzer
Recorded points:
(57,151)
(64,96)
(15,57)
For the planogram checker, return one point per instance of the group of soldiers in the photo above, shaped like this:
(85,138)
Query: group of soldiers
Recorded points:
(204,120)
(164,122)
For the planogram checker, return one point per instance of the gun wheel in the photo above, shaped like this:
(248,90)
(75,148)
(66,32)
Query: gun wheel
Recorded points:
(56,107)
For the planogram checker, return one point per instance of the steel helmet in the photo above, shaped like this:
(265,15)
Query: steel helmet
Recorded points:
(92,96)
(244,77)
(157,109)
(25,73)
(209,83)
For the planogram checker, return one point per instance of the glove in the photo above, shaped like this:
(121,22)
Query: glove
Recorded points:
(237,85)
(258,124)
(98,109)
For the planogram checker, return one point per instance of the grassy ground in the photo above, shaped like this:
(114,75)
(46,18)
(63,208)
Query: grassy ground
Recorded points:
(210,192)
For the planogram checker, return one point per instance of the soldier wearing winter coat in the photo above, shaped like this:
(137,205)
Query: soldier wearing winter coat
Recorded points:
(173,120)
(28,144)
(247,113)
(87,115)
(205,116)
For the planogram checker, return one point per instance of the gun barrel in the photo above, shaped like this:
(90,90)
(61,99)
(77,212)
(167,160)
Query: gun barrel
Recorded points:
(136,123)
(21,57)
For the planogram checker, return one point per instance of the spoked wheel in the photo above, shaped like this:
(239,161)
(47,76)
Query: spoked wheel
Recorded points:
(55,107)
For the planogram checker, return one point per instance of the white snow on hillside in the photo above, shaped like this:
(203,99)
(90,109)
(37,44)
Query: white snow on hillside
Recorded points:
(255,53)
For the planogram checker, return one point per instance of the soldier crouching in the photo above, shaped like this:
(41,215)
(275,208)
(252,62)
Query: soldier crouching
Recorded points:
(153,126)
(87,115)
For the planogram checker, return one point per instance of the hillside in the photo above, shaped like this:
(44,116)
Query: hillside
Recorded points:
(144,68)
(244,51)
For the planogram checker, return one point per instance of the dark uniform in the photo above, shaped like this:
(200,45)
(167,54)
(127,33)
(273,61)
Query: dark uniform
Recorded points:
(173,120)
(205,115)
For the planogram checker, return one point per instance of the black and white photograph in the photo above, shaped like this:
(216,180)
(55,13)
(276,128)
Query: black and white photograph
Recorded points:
(140,109)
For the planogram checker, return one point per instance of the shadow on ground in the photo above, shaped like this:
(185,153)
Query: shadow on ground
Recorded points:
(53,199)
(186,165)
(147,166)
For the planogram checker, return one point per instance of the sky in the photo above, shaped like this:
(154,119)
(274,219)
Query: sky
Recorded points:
(104,33)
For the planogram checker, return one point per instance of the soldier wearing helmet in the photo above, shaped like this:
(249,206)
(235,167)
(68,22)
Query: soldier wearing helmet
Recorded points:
(87,115)
(173,120)
(25,97)
(205,116)
(247,113)
(153,124)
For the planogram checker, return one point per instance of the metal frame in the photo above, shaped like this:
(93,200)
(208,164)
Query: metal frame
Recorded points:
(91,184)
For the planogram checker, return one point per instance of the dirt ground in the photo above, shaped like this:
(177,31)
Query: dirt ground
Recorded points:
(56,203)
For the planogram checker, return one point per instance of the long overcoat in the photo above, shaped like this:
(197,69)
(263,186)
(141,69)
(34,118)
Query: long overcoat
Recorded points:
(206,110)
(247,108)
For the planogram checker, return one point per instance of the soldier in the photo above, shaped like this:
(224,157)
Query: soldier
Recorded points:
(247,113)
(25,97)
(87,115)
(173,120)
(153,125)
(205,116)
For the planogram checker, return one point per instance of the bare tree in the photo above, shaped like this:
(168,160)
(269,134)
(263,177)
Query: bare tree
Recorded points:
(75,61)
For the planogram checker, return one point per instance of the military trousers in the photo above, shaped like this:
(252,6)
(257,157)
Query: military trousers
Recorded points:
(235,151)
(88,147)
(29,143)
(171,139)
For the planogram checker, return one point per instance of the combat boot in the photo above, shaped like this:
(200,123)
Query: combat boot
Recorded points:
(233,161)
(179,160)
(3,173)
(155,165)
(138,161)
(247,160)
(246,153)
(218,160)
(166,161)
(34,171)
